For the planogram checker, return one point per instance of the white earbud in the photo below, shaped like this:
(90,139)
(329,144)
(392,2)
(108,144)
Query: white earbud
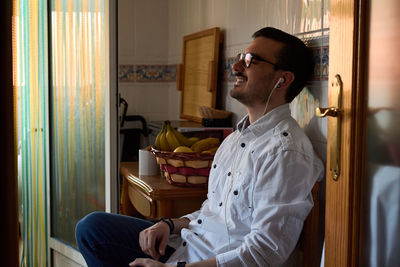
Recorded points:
(278,84)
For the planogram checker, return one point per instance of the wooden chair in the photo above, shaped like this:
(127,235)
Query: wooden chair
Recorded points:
(311,239)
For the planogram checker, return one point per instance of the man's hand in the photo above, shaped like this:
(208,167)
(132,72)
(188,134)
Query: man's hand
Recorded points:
(150,237)
(148,263)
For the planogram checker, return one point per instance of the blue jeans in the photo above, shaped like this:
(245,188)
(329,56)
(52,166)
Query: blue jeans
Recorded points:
(107,239)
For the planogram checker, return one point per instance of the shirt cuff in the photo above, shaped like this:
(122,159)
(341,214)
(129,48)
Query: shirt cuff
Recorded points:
(192,216)
(230,258)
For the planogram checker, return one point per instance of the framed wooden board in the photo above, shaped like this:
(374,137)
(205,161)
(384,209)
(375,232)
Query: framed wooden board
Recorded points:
(198,74)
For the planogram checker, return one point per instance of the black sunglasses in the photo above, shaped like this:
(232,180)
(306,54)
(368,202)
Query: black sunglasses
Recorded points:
(248,59)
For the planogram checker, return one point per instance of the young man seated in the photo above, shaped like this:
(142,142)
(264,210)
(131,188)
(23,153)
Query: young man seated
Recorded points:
(259,190)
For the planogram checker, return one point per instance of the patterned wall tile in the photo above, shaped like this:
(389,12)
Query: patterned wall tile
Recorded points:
(321,59)
(147,73)
(156,73)
(126,73)
(227,70)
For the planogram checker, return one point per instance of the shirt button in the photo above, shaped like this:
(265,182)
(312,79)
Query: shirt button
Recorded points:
(229,173)
(220,204)
(184,244)
(235,192)
(285,134)
(199,221)
(242,144)
(215,166)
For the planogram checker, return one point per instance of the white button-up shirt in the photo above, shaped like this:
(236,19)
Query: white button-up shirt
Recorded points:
(259,195)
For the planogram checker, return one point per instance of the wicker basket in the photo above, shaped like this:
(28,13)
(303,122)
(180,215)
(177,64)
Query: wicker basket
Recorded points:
(184,169)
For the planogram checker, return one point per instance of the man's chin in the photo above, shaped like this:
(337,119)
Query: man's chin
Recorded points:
(237,91)
(236,95)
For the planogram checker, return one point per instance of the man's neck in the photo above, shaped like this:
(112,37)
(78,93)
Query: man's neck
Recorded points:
(257,112)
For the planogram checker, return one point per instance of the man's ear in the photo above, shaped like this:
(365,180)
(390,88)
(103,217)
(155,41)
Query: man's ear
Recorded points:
(288,78)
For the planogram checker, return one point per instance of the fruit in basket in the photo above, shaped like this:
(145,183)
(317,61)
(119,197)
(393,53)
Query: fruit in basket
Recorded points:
(183,149)
(163,139)
(171,138)
(168,139)
(183,140)
(211,150)
(205,144)
(193,140)
(157,143)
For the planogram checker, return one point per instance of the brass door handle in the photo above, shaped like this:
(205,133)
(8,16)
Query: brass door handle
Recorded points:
(323,112)
(334,124)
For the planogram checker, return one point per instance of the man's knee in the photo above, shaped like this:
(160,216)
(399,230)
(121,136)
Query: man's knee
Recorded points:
(88,224)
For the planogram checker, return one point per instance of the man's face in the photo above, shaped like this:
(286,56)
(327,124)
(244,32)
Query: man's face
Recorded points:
(253,84)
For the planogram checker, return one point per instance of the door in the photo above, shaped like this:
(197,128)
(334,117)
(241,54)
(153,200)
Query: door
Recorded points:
(83,120)
(362,205)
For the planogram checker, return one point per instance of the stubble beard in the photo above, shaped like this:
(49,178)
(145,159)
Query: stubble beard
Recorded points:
(244,95)
(238,94)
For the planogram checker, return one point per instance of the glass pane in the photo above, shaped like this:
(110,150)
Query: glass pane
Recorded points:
(30,62)
(382,192)
(79,66)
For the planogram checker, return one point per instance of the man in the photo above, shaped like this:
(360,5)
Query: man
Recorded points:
(259,190)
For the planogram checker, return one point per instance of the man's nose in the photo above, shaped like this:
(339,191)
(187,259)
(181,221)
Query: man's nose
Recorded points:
(238,66)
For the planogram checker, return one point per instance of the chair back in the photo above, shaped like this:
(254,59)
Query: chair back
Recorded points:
(311,239)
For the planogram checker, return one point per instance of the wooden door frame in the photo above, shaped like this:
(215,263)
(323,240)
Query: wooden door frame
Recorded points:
(343,197)
(8,135)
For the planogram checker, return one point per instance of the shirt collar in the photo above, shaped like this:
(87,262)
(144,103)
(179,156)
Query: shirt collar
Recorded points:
(267,121)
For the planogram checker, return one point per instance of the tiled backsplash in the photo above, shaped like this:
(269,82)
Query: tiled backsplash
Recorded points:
(147,73)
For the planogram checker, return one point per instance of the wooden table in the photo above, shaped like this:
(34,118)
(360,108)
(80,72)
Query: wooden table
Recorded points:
(153,197)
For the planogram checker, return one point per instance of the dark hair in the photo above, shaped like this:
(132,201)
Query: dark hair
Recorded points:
(294,56)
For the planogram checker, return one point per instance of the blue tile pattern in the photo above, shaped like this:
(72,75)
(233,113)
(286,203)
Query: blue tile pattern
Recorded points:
(147,73)
(227,70)
(156,73)
(126,73)
(321,59)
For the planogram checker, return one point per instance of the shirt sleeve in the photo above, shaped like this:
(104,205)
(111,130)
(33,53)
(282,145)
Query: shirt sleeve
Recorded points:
(282,200)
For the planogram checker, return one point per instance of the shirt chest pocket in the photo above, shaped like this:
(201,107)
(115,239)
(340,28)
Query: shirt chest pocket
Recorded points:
(241,198)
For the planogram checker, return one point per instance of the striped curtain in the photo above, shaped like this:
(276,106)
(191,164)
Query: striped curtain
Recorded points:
(64,117)
(31,85)
(79,70)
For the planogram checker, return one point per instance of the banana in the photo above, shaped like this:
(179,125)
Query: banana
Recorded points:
(158,138)
(163,140)
(171,138)
(193,140)
(205,144)
(183,140)
(183,149)
(211,150)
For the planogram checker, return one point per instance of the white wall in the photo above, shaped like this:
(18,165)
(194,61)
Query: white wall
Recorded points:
(143,39)
(151,32)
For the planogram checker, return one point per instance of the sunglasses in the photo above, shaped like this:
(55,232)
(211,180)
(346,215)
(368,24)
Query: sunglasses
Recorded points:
(248,59)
